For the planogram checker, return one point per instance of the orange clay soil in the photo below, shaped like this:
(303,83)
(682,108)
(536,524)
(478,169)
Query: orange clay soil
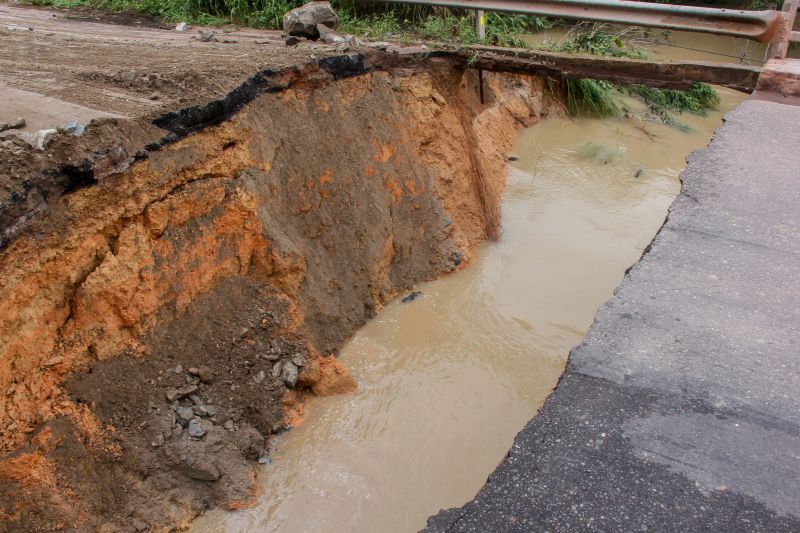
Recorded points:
(165,311)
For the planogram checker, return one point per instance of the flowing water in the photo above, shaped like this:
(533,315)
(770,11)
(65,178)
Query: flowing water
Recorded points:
(447,380)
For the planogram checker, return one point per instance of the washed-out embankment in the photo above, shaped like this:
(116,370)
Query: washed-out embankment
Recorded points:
(170,289)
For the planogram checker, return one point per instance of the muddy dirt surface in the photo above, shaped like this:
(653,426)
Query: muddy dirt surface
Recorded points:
(133,69)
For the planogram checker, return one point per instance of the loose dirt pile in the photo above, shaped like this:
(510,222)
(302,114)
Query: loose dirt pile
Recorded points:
(172,286)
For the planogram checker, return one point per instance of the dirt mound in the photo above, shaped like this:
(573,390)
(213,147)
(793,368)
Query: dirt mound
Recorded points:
(172,288)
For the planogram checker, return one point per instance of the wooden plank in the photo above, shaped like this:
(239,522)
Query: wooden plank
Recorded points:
(666,74)
(663,74)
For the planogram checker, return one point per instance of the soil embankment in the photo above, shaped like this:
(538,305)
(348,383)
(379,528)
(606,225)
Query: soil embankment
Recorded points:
(172,287)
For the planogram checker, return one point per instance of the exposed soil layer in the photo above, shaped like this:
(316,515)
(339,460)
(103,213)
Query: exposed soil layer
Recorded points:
(173,285)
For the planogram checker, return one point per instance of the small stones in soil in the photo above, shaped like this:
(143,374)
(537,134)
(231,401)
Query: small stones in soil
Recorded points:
(297,360)
(411,297)
(181,392)
(258,378)
(158,440)
(289,374)
(228,425)
(276,370)
(184,415)
(199,427)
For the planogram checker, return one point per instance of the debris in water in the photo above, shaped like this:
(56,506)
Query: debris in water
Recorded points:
(639,172)
(512,158)
(411,297)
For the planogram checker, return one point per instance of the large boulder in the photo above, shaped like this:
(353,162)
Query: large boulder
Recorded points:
(302,21)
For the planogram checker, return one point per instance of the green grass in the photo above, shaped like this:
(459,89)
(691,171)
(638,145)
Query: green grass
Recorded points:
(595,98)
(664,102)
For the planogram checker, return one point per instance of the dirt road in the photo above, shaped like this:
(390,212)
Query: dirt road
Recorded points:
(54,60)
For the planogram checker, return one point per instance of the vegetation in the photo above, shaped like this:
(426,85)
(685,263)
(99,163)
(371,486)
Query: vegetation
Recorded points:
(599,98)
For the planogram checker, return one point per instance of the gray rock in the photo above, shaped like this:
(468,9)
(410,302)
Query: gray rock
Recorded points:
(302,21)
(181,26)
(206,36)
(276,369)
(203,470)
(327,35)
(43,137)
(184,415)
(13,124)
(289,374)
(72,128)
(298,359)
(178,369)
(139,525)
(181,392)
(258,378)
(199,427)
(228,425)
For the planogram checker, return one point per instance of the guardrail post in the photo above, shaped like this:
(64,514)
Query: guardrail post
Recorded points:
(777,50)
(480,25)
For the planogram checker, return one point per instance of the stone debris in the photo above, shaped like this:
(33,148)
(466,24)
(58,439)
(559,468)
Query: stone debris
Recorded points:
(199,427)
(72,128)
(184,415)
(258,378)
(182,392)
(297,360)
(228,425)
(303,21)
(276,370)
(13,124)
(181,26)
(206,36)
(289,374)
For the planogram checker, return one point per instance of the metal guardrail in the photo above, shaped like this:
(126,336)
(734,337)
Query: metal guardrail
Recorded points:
(762,26)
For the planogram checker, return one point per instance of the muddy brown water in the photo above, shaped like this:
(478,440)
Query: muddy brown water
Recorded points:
(447,380)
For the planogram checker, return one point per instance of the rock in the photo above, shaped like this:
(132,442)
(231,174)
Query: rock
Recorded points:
(411,297)
(211,410)
(139,525)
(228,425)
(42,138)
(330,36)
(292,40)
(302,21)
(276,370)
(181,26)
(193,370)
(298,359)
(195,399)
(72,128)
(258,378)
(206,36)
(202,470)
(182,392)
(289,374)
(264,459)
(205,374)
(512,158)
(178,369)
(13,124)
(199,427)
(184,415)
(158,440)
(456,258)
